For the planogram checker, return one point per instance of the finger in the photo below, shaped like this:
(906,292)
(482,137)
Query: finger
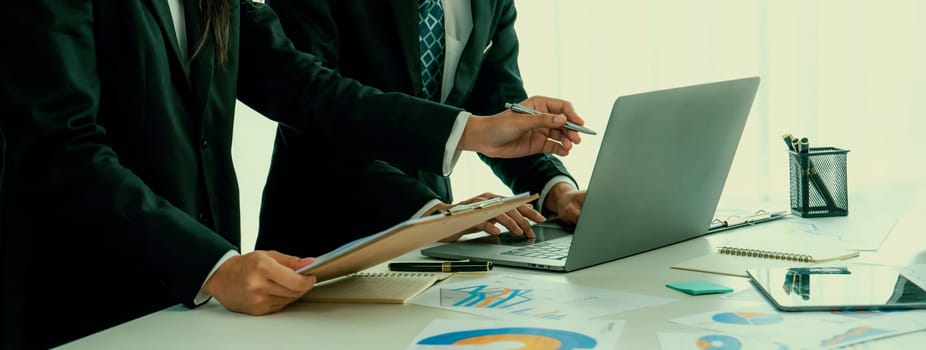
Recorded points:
(565,135)
(475,199)
(557,134)
(489,227)
(293,262)
(567,143)
(453,238)
(550,146)
(555,106)
(276,290)
(510,223)
(284,276)
(522,222)
(573,136)
(303,263)
(571,214)
(291,289)
(261,289)
(555,121)
(565,108)
(542,121)
(528,211)
(580,199)
(440,206)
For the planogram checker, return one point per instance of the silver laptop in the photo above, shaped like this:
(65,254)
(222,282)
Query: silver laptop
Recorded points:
(661,168)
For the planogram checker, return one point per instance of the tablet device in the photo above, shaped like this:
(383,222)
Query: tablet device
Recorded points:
(832,288)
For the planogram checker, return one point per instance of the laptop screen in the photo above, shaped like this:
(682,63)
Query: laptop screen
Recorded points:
(660,171)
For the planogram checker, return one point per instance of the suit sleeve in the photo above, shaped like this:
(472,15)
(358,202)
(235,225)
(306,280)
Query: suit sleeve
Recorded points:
(500,81)
(54,101)
(295,89)
(311,26)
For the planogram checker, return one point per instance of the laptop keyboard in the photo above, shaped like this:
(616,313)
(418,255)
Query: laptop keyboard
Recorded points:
(555,249)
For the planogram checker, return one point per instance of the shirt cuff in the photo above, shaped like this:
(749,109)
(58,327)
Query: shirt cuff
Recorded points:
(546,189)
(202,297)
(427,206)
(451,154)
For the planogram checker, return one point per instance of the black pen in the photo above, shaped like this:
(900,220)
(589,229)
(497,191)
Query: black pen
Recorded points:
(805,145)
(445,266)
(794,144)
(788,137)
(569,125)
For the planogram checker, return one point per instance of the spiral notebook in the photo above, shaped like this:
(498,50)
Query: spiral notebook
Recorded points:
(784,250)
(374,287)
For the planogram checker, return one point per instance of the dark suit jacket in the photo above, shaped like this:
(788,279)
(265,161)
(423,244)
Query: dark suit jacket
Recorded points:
(119,194)
(376,42)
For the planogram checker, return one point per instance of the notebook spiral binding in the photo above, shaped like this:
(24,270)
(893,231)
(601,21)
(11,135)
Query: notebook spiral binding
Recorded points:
(765,254)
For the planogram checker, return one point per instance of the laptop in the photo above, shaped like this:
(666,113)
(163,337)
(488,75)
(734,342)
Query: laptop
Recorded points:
(660,171)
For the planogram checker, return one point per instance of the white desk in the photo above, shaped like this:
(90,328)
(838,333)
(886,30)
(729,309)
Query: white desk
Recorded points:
(370,326)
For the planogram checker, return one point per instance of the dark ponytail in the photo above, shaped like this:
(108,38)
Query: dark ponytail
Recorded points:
(216,21)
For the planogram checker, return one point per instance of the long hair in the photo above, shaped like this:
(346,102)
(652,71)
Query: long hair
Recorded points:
(216,25)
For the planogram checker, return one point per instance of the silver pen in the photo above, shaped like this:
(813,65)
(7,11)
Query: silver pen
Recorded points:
(569,125)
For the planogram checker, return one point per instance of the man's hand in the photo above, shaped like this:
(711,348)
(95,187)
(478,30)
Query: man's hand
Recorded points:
(515,220)
(260,282)
(565,201)
(511,135)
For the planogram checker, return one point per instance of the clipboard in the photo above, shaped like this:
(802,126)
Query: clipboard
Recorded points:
(736,221)
(407,236)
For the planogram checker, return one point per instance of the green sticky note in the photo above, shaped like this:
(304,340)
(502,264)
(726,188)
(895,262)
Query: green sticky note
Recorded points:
(700,287)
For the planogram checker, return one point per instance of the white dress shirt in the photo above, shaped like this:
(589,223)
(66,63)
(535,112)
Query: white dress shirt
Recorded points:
(458,24)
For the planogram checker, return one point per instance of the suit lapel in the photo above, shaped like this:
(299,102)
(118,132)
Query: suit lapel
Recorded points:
(406,17)
(202,66)
(471,57)
(162,13)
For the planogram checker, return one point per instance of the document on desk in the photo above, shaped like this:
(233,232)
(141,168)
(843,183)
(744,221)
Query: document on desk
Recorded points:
(712,340)
(807,330)
(517,297)
(916,274)
(862,231)
(521,334)
(768,246)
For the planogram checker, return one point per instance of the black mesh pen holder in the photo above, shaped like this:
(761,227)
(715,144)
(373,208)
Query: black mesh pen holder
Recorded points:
(818,182)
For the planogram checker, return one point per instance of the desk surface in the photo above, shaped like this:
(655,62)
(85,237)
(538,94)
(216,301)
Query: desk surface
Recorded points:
(362,326)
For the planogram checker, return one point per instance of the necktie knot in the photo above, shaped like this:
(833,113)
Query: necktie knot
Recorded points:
(431,47)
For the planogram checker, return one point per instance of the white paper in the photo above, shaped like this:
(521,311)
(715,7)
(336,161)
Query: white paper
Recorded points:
(713,341)
(810,330)
(862,231)
(916,274)
(511,297)
(523,334)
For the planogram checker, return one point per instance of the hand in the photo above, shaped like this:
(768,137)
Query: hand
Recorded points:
(260,282)
(511,135)
(565,201)
(515,220)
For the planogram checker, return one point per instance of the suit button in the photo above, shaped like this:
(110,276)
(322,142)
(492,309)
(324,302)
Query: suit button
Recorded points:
(203,218)
(205,142)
